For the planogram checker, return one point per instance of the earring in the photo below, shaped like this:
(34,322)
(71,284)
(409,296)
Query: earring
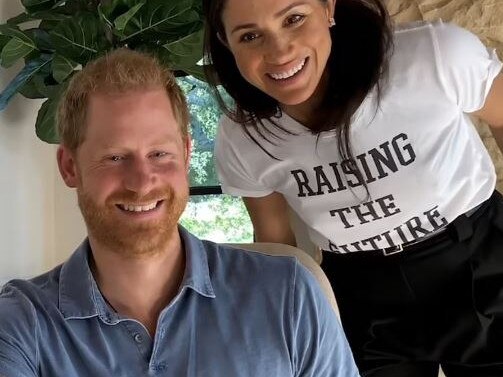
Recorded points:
(331,22)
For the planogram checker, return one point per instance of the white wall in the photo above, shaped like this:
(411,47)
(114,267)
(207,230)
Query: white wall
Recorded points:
(32,198)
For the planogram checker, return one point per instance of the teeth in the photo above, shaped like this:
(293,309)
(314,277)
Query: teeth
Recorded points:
(289,73)
(133,208)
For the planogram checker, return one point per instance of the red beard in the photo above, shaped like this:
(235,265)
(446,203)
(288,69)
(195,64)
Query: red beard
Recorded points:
(133,238)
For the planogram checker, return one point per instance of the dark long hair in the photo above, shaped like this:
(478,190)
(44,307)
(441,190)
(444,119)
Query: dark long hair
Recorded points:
(358,62)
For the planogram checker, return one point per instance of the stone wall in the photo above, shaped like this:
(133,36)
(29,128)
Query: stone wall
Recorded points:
(482,17)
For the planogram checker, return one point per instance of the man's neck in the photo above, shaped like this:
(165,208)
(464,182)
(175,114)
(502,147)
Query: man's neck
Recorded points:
(139,287)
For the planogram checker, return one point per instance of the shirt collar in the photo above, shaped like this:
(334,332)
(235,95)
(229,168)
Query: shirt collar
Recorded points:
(80,297)
(197,273)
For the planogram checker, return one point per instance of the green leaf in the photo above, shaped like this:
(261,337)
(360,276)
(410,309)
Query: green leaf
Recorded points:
(62,67)
(33,55)
(121,21)
(31,89)
(37,5)
(13,31)
(186,51)
(47,25)
(48,90)
(132,3)
(45,126)
(159,17)
(20,45)
(41,38)
(29,70)
(72,7)
(49,15)
(78,38)
(107,8)
(104,16)
(196,71)
(41,85)
(3,41)
(113,8)
(19,19)
(59,3)
(14,50)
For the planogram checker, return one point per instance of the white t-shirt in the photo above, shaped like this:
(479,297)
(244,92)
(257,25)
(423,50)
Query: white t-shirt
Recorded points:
(421,156)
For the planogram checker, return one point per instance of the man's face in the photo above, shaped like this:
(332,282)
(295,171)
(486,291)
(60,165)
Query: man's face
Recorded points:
(130,172)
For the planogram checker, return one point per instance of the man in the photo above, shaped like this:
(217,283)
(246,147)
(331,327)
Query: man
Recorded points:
(141,296)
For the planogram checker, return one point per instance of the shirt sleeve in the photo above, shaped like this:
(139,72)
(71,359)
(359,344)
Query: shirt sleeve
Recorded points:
(467,67)
(320,345)
(234,168)
(17,336)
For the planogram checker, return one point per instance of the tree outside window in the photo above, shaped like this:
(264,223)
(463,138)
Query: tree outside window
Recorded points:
(212,215)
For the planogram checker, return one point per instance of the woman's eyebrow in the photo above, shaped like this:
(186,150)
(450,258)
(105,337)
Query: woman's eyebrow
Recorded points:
(276,15)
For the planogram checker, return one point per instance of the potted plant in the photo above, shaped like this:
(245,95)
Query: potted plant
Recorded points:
(56,38)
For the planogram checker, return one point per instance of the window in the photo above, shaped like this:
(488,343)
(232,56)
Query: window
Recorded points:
(209,213)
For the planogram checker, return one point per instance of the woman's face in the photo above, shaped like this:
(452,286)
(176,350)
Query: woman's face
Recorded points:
(280,46)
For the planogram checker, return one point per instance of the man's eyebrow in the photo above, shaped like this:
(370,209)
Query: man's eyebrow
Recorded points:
(158,143)
(275,15)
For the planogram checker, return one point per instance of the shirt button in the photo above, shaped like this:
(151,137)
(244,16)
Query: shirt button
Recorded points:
(158,367)
(138,338)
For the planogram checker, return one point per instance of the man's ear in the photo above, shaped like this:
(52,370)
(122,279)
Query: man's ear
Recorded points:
(67,165)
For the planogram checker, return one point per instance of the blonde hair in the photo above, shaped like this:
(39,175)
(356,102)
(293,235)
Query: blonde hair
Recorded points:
(119,71)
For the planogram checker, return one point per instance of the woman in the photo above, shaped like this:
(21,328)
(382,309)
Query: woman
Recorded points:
(364,132)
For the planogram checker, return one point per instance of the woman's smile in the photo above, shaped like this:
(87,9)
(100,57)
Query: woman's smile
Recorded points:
(289,73)
(280,47)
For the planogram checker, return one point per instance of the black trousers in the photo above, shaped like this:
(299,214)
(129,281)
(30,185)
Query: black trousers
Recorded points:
(407,313)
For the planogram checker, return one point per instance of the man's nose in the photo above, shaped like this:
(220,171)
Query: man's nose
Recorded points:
(139,176)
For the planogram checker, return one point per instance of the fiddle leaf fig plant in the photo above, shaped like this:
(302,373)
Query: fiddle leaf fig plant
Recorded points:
(56,38)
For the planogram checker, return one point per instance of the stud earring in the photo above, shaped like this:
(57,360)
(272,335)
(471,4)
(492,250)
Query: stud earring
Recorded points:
(331,22)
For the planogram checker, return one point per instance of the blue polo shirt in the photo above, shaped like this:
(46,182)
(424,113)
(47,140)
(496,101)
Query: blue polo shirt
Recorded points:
(237,314)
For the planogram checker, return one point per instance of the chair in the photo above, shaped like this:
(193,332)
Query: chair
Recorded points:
(271,248)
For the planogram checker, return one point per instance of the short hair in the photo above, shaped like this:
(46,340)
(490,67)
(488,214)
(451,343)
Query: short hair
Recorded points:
(118,71)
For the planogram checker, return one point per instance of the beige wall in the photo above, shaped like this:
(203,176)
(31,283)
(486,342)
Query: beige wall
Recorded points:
(33,201)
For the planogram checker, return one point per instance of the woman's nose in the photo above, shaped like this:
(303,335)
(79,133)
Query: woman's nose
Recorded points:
(278,49)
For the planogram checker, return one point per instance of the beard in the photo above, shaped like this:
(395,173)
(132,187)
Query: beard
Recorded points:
(133,238)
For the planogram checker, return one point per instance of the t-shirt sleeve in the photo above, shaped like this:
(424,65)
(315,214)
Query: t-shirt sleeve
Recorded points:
(17,335)
(320,345)
(234,170)
(467,67)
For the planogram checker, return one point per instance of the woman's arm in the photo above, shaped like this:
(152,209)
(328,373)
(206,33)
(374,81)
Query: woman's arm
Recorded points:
(271,222)
(492,112)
